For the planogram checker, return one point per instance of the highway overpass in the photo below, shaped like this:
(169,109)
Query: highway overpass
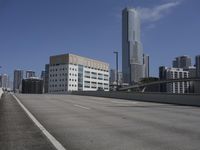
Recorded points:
(96,123)
(140,85)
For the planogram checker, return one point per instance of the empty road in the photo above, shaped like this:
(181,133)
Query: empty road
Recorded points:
(93,123)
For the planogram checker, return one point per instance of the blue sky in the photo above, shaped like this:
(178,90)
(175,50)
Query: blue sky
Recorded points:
(33,30)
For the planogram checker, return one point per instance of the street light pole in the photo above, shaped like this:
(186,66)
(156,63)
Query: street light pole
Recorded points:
(116,54)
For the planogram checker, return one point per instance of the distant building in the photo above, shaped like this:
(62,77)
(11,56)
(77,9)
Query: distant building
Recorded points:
(17,80)
(4,81)
(174,73)
(113,77)
(182,62)
(192,71)
(42,77)
(197,64)
(197,84)
(46,79)
(163,76)
(132,51)
(32,86)
(30,73)
(69,72)
(146,65)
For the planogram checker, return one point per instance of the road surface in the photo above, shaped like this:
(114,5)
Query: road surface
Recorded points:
(93,123)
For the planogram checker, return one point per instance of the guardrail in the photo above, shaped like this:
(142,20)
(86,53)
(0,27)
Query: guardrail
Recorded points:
(179,99)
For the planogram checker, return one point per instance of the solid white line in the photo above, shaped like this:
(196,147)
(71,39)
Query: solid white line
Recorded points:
(125,102)
(82,107)
(52,139)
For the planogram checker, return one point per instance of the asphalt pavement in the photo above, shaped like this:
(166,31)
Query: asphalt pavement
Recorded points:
(93,123)
(17,131)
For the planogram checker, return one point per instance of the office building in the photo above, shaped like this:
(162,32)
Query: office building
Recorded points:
(197,64)
(69,72)
(17,80)
(182,62)
(163,76)
(46,79)
(146,65)
(4,81)
(192,71)
(113,77)
(32,85)
(42,77)
(173,73)
(30,73)
(132,51)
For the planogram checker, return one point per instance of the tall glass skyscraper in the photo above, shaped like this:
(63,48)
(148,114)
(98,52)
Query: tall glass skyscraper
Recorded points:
(17,82)
(132,51)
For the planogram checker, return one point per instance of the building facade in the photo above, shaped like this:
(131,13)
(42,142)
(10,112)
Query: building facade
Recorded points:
(69,72)
(132,51)
(17,80)
(146,65)
(197,64)
(30,73)
(113,77)
(46,79)
(174,73)
(4,81)
(32,86)
(182,62)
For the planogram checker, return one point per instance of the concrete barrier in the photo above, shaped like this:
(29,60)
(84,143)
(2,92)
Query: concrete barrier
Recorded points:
(179,99)
(1,92)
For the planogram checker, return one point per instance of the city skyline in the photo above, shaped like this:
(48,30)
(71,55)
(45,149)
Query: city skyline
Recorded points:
(28,37)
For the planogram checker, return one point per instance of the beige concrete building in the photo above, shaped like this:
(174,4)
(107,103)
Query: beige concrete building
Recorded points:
(69,72)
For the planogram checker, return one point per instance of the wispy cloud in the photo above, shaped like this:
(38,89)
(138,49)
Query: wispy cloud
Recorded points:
(156,13)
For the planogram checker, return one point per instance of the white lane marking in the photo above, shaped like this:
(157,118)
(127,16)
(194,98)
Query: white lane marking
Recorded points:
(125,102)
(52,139)
(82,107)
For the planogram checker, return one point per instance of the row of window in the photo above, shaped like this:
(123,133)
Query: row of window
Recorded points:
(55,80)
(63,74)
(63,85)
(99,78)
(84,66)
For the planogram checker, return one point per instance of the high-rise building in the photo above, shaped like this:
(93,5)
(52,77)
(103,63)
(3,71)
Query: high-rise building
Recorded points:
(30,73)
(182,62)
(132,51)
(146,65)
(69,72)
(17,82)
(113,77)
(32,85)
(197,64)
(4,81)
(173,73)
(42,77)
(46,80)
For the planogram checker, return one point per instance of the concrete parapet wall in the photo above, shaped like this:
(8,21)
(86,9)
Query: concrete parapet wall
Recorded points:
(179,99)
